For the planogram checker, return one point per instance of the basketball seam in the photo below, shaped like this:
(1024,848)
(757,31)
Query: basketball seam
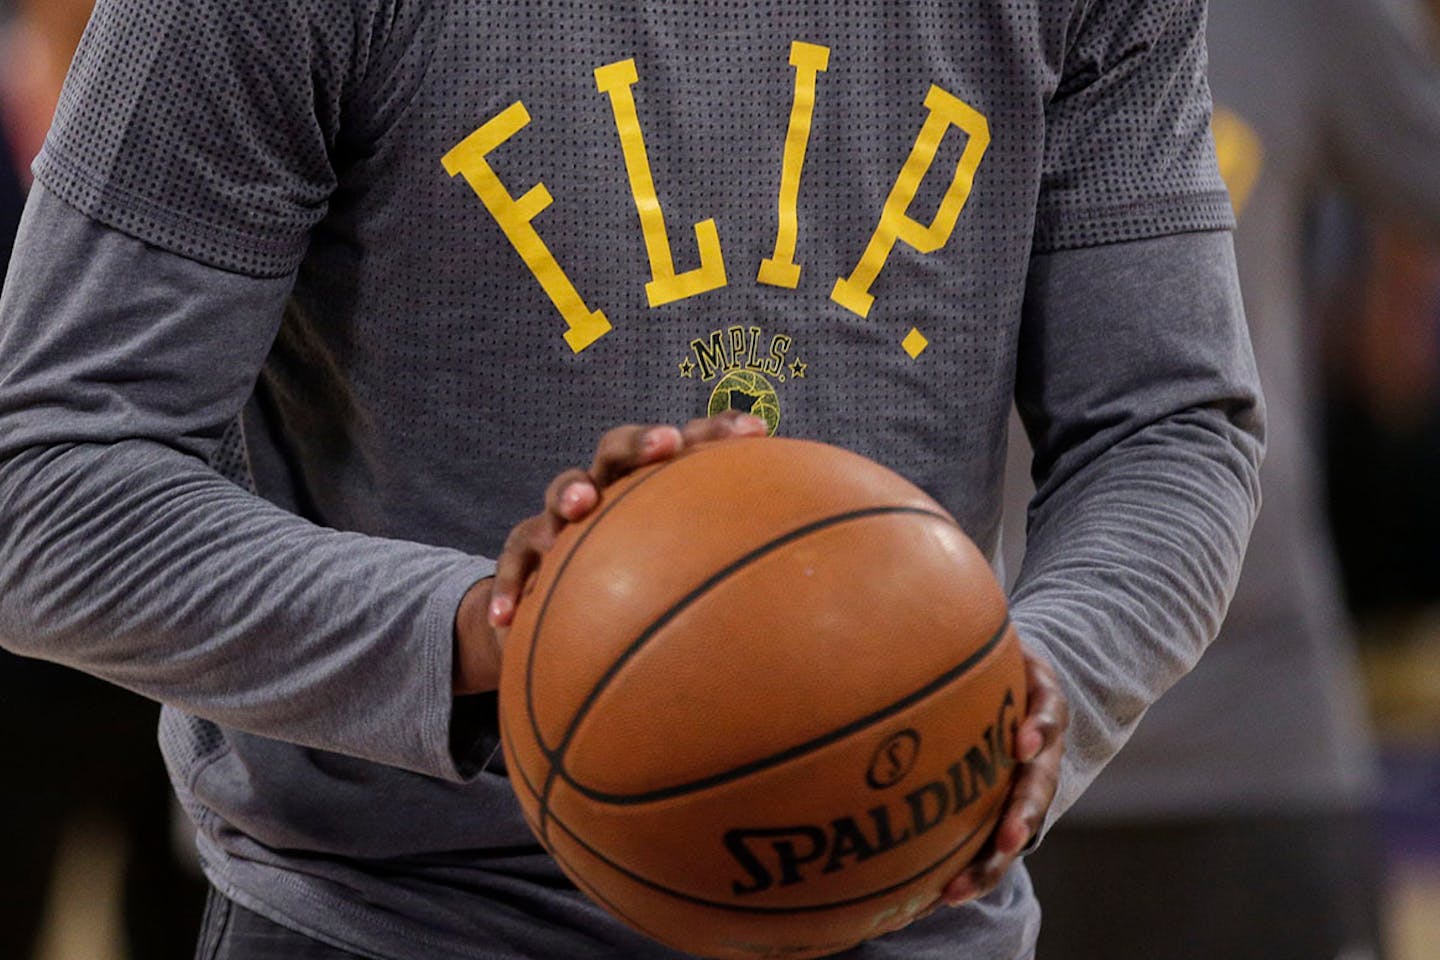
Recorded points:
(550,593)
(556,756)
(573,874)
(799,750)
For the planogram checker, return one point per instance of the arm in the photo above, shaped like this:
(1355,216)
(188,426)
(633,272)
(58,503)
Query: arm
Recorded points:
(1139,393)
(1135,378)
(123,554)
(190,158)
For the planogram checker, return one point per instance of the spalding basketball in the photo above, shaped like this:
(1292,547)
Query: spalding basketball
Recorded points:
(762,701)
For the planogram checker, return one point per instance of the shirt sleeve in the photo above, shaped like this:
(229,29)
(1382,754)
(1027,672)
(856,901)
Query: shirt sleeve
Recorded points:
(1128,149)
(1380,104)
(1138,389)
(209,128)
(1135,379)
(124,554)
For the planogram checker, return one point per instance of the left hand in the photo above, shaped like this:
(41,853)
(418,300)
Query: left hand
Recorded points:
(1039,745)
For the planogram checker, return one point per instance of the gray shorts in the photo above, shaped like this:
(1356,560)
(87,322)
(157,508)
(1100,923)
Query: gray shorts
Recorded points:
(231,932)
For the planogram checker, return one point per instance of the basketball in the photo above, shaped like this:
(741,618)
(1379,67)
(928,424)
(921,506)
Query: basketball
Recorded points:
(762,701)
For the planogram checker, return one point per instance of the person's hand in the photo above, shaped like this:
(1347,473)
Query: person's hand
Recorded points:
(1039,745)
(488,608)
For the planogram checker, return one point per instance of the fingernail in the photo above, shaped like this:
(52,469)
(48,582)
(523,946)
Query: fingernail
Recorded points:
(754,424)
(957,893)
(570,499)
(650,441)
(500,609)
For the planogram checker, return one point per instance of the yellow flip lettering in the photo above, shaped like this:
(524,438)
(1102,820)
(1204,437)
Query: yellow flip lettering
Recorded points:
(946,111)
(665,286)
(809,60)
(584,326)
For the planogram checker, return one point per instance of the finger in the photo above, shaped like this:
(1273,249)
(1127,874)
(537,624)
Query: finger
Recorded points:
(571,495)
(524,547)
(1022,819)
(1047,713)
(1040,745)
(988,868)
(1033,793)
(972,883)
(625,448)
(731,423)
(1030,798)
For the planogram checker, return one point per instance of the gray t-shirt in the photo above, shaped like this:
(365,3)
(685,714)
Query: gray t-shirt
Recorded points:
(426,253)
(1308,93)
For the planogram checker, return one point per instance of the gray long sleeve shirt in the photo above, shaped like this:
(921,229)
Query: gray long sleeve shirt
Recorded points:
(306,243)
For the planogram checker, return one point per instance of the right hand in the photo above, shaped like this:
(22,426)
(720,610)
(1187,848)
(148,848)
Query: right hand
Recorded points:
(488,608)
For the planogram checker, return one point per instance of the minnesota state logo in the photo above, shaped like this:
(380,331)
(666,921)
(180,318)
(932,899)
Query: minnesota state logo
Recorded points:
(748,392)
(745,366)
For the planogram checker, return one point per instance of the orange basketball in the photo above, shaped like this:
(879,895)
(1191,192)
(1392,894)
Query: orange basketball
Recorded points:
(762,701)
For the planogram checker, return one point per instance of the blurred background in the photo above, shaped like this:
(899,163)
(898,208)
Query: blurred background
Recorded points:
(96,863)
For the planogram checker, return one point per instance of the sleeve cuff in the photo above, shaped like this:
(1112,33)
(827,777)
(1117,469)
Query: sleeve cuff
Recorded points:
(456,733)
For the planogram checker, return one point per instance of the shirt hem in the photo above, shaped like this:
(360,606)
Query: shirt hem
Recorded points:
(440,667)
(1058,228)
(148,222)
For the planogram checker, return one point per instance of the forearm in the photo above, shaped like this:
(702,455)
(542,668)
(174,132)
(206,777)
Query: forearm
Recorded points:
(140,565)
(1128,572)
(1147,443)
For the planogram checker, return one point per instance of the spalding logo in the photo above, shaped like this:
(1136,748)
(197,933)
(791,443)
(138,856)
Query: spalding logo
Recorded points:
(780,856)
(894,759)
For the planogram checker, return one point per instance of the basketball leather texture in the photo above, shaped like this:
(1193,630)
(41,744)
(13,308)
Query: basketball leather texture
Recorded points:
(762,701)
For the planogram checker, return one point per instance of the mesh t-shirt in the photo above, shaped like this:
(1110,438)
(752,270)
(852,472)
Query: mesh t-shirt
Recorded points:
(435,249)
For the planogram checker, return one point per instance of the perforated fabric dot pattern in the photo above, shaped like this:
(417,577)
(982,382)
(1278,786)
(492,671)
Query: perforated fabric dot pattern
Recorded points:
(308,134)
(1127,149)
(230,459)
